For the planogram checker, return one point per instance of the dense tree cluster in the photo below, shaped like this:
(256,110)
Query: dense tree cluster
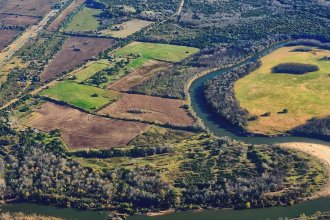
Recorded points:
(294,68)
(316,127)
(220,94)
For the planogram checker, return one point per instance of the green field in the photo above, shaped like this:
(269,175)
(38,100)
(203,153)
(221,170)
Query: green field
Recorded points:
(80,95)
(84,20)
(88,71)
(304,96)
(164,52)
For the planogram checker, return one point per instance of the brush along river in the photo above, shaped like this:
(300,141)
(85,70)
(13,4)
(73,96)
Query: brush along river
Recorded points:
(219,128)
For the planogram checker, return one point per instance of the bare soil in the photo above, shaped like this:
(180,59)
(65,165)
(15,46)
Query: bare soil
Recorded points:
(151,68)
(74,52)
(149,108)
(7,36)
(82,130)
(17,20)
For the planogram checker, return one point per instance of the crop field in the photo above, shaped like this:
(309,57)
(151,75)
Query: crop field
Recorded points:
(18,20)
(81,130)
(127,28)
(163,52)
(7,36)
(148,108)
(89,70)
(66,12)
(303,96)
(82,96)
(84,20)
(150,69)
(74,52)
(37,8)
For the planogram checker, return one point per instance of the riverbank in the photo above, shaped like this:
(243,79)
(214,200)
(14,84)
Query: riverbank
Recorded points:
(320,152)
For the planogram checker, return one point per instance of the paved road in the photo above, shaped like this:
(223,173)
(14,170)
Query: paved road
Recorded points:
(28,34)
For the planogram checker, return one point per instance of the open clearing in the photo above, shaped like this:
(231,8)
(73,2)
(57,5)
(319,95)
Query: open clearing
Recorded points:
(5,69)
(138,76)
(163,52)
(127,28)
(27,7)
(148,108)
(13,20)
(84,20)
(320,152)
(82,96)
(64,14)
(74,52)
(81,130)
(304,96)
(7,36)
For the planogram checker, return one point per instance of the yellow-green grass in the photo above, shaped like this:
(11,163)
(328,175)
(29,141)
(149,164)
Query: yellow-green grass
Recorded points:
(127,28)
(81,95)
(84,20)
(164,52)
(89,70)
(305,96)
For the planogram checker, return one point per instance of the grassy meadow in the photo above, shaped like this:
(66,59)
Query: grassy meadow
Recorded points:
(84,20)
(82,96)
(163,52)
(304,96)
(89,70)
(127,28)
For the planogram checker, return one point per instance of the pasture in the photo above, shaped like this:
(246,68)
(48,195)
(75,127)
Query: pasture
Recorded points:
(89,70)
(304,96)
(81,130)
(127,28)
(86,97)
(149,108)
(74,52)
(163,52)
(84,20)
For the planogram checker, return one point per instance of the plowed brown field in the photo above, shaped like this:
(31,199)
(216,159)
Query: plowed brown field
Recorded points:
(17,20)
(7,36)
(73,53)
(81,130)
(139,76)
(149,108)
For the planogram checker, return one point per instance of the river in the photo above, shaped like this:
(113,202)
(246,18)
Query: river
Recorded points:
(220,128)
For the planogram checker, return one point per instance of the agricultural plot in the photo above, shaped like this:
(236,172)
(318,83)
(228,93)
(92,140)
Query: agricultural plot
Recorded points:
(74,52)
(81,130)
(148,108)
(84,20)
(127,28)
(150,69)
(163,52)
(66,12)
(37,8)
(17,20)
(89,70)
(7,36)
(82,96)
(284,101)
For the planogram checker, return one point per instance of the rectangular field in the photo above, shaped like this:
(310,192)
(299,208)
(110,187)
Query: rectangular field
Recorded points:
(7,36)
(18,20)
(149,108)
(127,28)
(138,76)
(37,8)
(164,52)
(84,20)
(74,52)
(87,71)
(64,14)
(82,96)
(81,130)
